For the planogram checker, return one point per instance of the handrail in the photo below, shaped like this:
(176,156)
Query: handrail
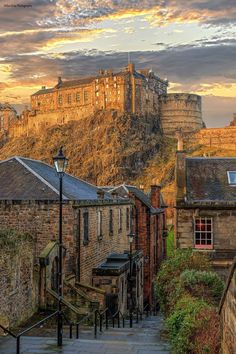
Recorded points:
(138,312)
(8,331)
(18,336)
(77,324)
(118,313)
(101,314)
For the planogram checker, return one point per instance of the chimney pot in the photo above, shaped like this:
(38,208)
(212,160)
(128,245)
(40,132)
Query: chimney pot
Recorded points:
(100,194)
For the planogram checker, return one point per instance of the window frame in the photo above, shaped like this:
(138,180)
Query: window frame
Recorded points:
(85,234)
(111,226)
(128,219)
(204,232)
(119,219)
(228,174)
(99,224)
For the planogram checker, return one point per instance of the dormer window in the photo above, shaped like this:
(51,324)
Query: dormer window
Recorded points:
(232,177)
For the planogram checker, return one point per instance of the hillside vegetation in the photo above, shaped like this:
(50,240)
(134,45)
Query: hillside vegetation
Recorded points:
(109,149)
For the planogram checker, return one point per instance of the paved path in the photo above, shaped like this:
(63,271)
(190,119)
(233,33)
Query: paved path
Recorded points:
(144,338)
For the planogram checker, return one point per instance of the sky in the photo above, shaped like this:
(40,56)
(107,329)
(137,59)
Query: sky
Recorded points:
(192,43)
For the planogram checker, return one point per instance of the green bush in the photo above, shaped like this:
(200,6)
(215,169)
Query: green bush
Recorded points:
(168,289)
(202,284)
(170,243)
(183,322)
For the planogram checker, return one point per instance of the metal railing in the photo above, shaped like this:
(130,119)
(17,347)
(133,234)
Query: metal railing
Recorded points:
(117,315)
(76,324)
(19,335)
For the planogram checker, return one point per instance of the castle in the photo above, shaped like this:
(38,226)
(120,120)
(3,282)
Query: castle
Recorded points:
(128,91)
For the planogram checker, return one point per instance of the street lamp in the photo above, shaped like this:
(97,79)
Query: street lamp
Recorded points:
(60,163)
(131,239)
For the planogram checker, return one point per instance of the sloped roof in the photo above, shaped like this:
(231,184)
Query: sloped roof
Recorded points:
(207,179)
(124,189)
(26,179)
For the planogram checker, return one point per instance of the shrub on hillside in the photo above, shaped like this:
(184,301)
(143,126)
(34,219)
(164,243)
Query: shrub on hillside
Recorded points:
(202,284)
(184,321)
(168,277)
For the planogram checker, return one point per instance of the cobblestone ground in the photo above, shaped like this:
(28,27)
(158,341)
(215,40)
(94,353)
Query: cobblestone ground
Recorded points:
(145,338)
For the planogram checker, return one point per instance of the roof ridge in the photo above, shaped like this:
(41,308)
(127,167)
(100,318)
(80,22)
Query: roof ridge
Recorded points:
(18,159)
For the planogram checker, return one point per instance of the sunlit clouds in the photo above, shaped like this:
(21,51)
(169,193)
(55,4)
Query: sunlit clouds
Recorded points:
(192,43)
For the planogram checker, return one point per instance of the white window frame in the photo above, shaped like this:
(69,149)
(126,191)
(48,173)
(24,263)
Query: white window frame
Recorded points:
(228,174)
(204,232)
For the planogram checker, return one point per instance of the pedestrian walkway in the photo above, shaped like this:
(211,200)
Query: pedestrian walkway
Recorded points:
(144,338)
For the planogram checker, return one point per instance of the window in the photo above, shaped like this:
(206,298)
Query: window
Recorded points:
(59,100)
(232,177)
(111,222)
(97,94)
(127,218)
(99,225)
(78,97)
(203,233)
(119,219)
(69,98)
(86,96)
(86,227)
(1,123)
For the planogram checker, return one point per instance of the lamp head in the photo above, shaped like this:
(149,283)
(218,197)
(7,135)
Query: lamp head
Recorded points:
(131,237)
(60,162)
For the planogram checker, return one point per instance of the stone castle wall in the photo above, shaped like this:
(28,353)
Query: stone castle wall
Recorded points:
(180,111)
(228,314)
(225,138)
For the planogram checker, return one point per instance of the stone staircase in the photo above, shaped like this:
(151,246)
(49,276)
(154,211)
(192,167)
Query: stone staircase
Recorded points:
(146,337)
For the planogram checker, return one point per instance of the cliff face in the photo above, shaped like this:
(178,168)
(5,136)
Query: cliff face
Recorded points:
(104,149)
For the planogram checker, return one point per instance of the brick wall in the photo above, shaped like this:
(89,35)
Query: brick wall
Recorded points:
(228,313)
(18,288)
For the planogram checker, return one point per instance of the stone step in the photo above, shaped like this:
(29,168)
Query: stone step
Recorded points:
(36,345)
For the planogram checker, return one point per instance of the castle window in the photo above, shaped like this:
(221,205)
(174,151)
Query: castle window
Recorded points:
(114,78)
(107,86)
(78,97)
(69,98)
(59,100)
(203,233)
(86,96)
(127,219)
(1,123)
(115,85)
(107,79)
(97,94)
(96,102)
(96,80)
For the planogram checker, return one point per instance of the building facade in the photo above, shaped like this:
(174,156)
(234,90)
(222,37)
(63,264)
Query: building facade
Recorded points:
(95,226)
(149,227)
(8,116)
(206,207)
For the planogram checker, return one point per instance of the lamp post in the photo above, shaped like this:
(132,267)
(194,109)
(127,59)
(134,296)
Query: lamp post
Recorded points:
(60,163)
(131,238)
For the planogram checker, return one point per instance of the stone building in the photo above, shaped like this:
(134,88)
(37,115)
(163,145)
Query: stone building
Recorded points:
(95,226)
(125,91)
(149,226)
(228,313)
(8,116)
(139,92)
(206,207)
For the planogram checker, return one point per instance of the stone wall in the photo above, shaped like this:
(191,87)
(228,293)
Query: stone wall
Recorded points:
(228,313)
(225,138)
(180,111)
(40,219)
(18,281)
(224,242)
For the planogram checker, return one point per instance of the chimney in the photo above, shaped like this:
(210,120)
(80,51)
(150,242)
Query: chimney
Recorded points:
(100,194)
(156,195)
(180,176)
(179,136)
(141,187)
(131,67)
(43,87)
(59,80)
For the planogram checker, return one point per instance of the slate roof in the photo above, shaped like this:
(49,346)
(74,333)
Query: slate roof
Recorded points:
(124,189)
(26,179)
(43,91)
(207,180)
